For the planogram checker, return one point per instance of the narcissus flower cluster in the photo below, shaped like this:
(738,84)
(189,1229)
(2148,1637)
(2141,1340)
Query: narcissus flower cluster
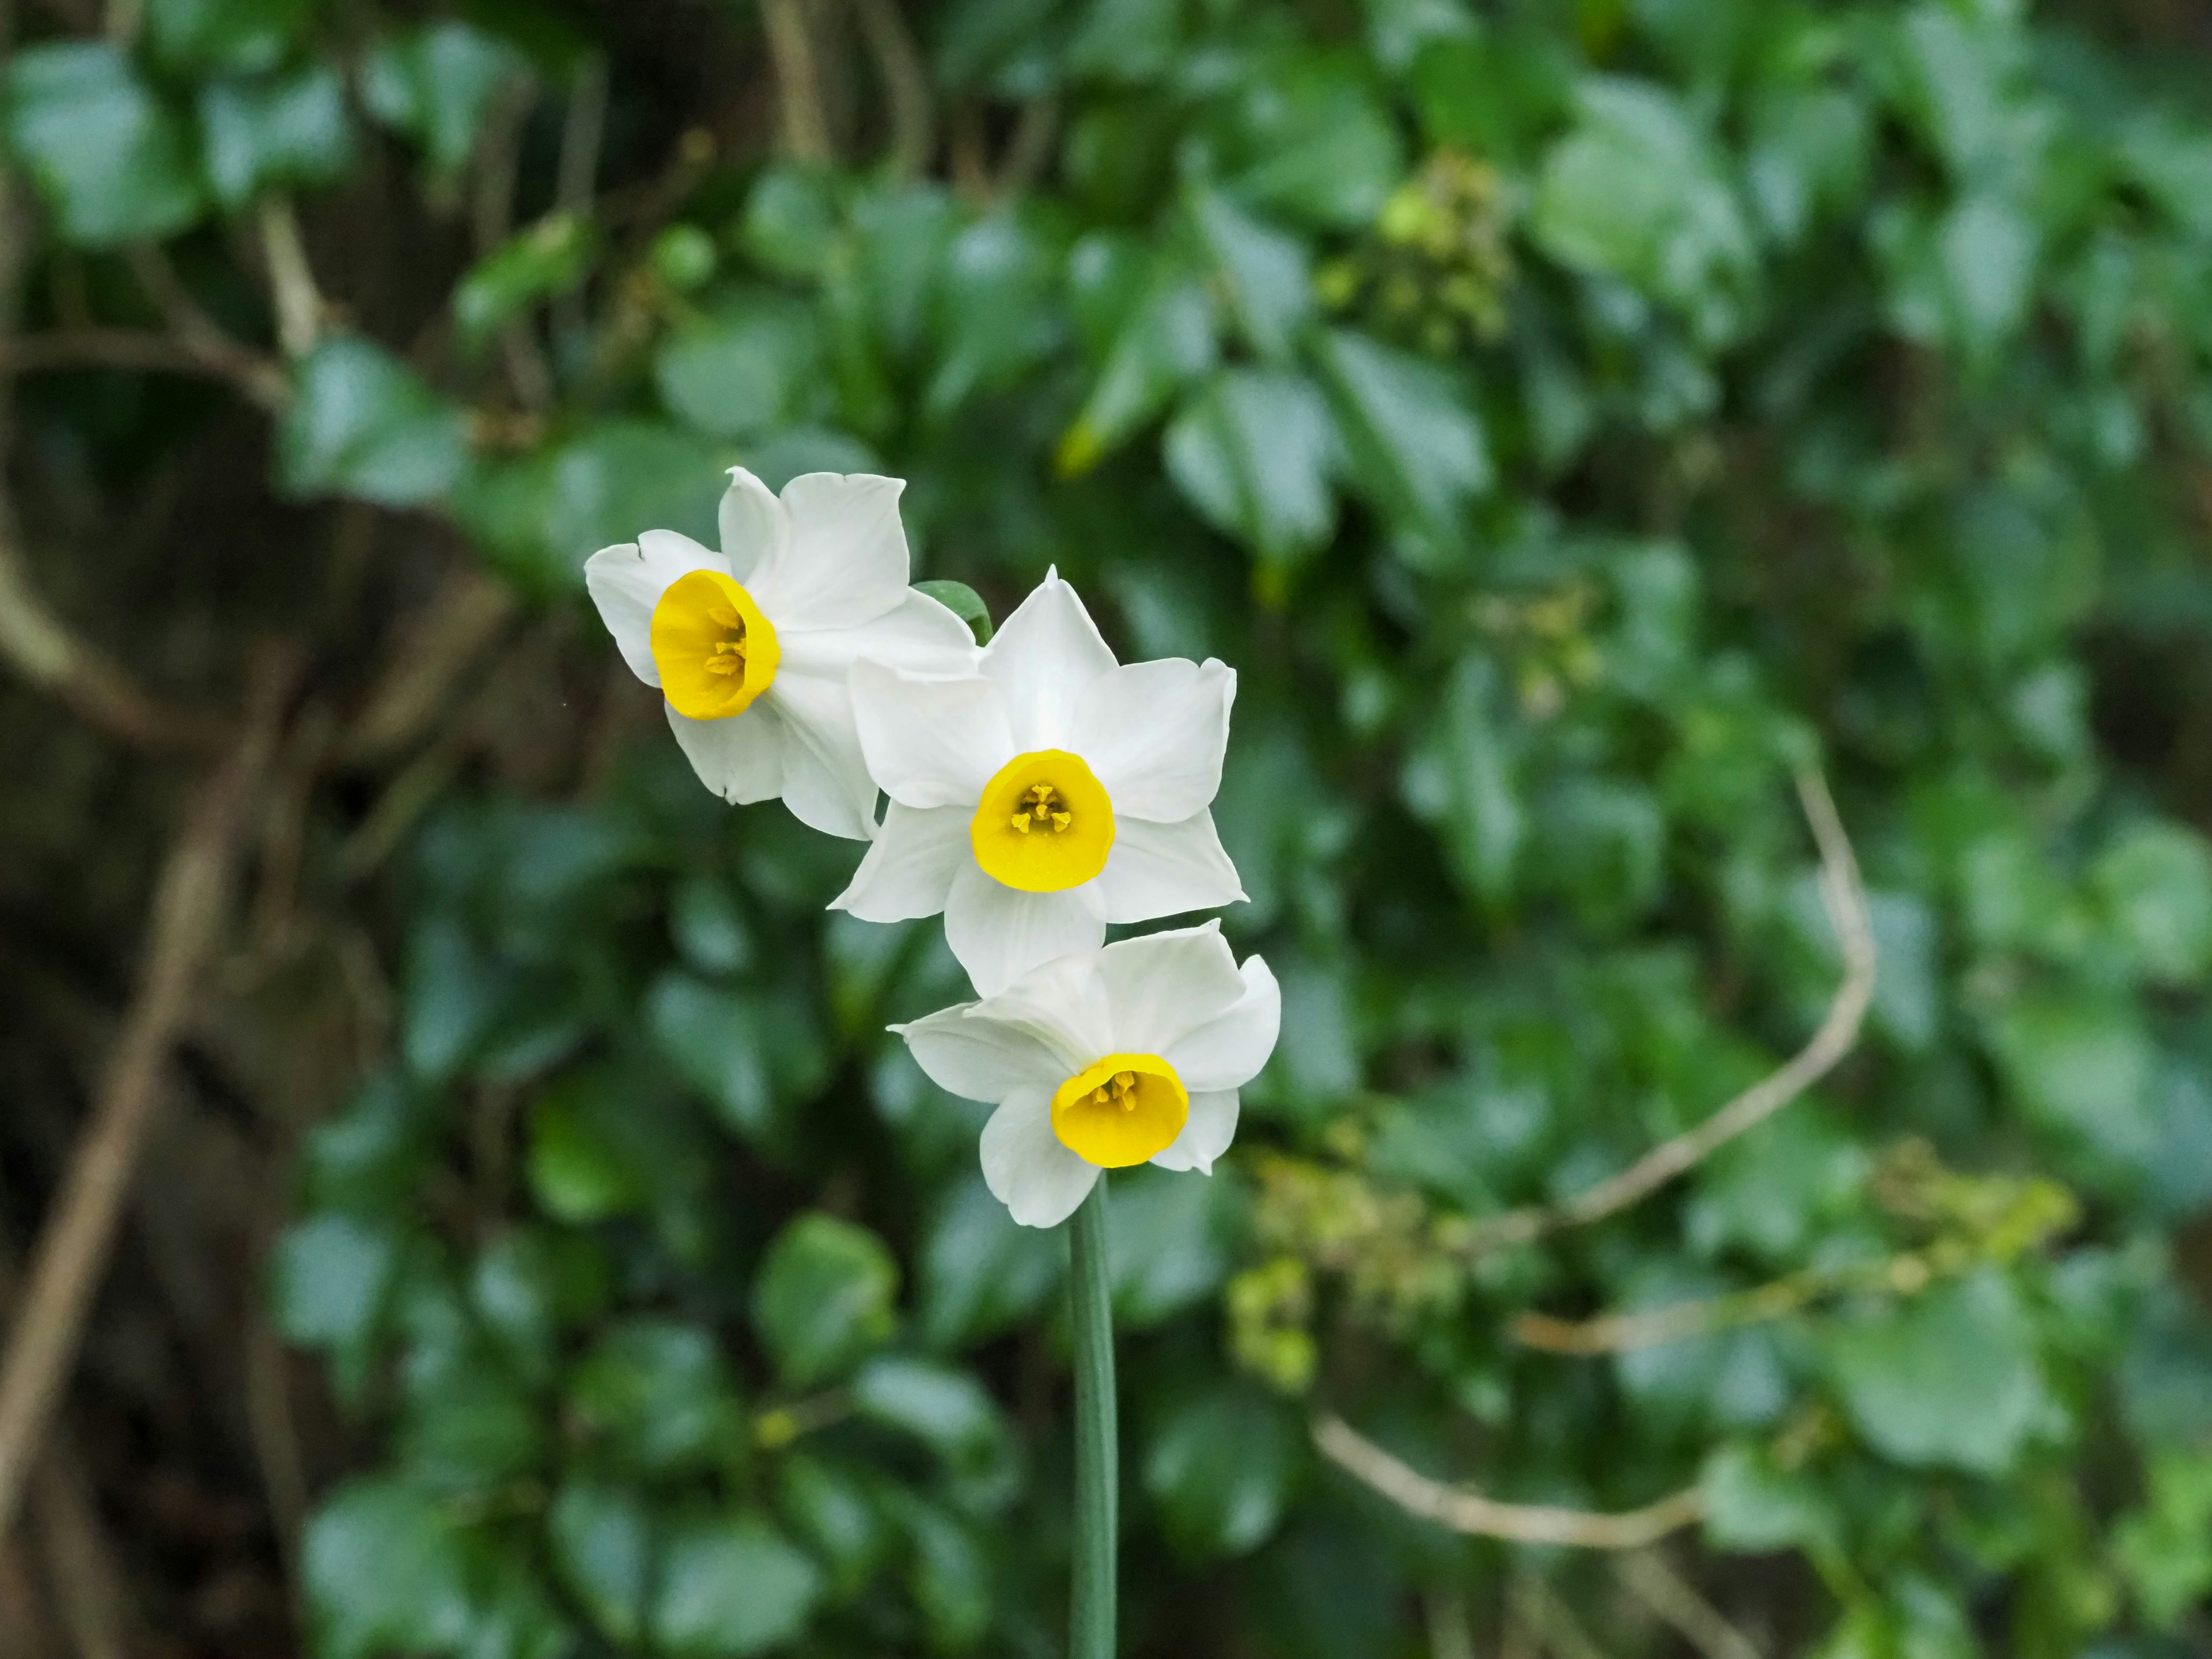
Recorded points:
(1039,790)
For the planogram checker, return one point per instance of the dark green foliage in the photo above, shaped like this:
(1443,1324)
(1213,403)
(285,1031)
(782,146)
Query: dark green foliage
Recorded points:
(1572,421)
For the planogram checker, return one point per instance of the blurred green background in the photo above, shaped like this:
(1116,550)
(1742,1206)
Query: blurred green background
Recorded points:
(1573,420)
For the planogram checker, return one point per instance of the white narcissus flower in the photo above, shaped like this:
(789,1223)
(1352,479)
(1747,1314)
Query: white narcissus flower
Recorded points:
(751,646)
(1105,1058)
(1046,794)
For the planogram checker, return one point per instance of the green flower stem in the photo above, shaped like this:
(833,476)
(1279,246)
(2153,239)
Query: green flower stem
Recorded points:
(1097,1469)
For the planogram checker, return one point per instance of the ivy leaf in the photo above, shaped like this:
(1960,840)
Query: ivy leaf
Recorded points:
(964,602)
(550,258)
(1413,448)
(824,1298)
(435,84)
(109,156)
(361,423)
(730,1586)
(274,130)
(1252,452)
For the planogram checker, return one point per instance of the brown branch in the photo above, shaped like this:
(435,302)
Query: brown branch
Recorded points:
(1028,150)
(906,86)
(1676,1601)
(299,302)
(1843,896)
(260,379)
(1486,1517)
(797,81)
(1552,1621)
(1678,1321)
(189,904)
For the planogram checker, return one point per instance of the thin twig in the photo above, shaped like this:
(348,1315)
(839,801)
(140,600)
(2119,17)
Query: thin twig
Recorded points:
(1676,1601)
(436,650)
(259,379)
(1451,1632)
(1843,896)
(291,278)
(200,332)
(797,81)
(1028,150)
(1486,1517)
(906,86)
(583,128)
(34,642)
(1678,1321)
(189,907)
(1552,1620)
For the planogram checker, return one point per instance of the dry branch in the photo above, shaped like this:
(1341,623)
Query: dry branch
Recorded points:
(797,81)
(1677,1602)
(189,904)
(906,86)
(1843,896)
(1486,1517)
(257,378)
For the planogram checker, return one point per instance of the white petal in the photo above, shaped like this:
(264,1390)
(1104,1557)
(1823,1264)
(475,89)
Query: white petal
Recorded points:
(1163,987)
(909,867)
(1166,870)
(825,778)
(930,742)
(1043,657)
(754,528)
(917,635)
(741,758)
(1063,1004)
(844,561)
(1155,732)
(999,933)
(982,1059)
(1205,1134)
(1026,1167)
(1228,1051)
(627,581)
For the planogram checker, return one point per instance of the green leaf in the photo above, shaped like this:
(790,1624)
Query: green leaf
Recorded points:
(2155,884)
(1949,1379)
(997,310)
(1160,343)
(1635,191)
(382,1572)
(2081,1068)
(1463,778)
(2165,1549)
(1755,1508)
(659,1396)
(823,1297)
(835,1508)
(713,1038)
(951,1578)
(549,258)
(1413,448)
(435,84)
(964,602)
(1252,452)
(1221,1466)
(602,1547)
(982,1273)
(751,364)
(273,131)
(953,1414)
(1264,270)
(243,36)
(1171,1241)
(107,155)
(731,1585)
(361,423)
(791,222)
(331,1278)
(1309,137)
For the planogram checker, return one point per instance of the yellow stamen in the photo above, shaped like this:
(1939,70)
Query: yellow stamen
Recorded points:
(1048,790)
(1123,1111)
(715,651)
